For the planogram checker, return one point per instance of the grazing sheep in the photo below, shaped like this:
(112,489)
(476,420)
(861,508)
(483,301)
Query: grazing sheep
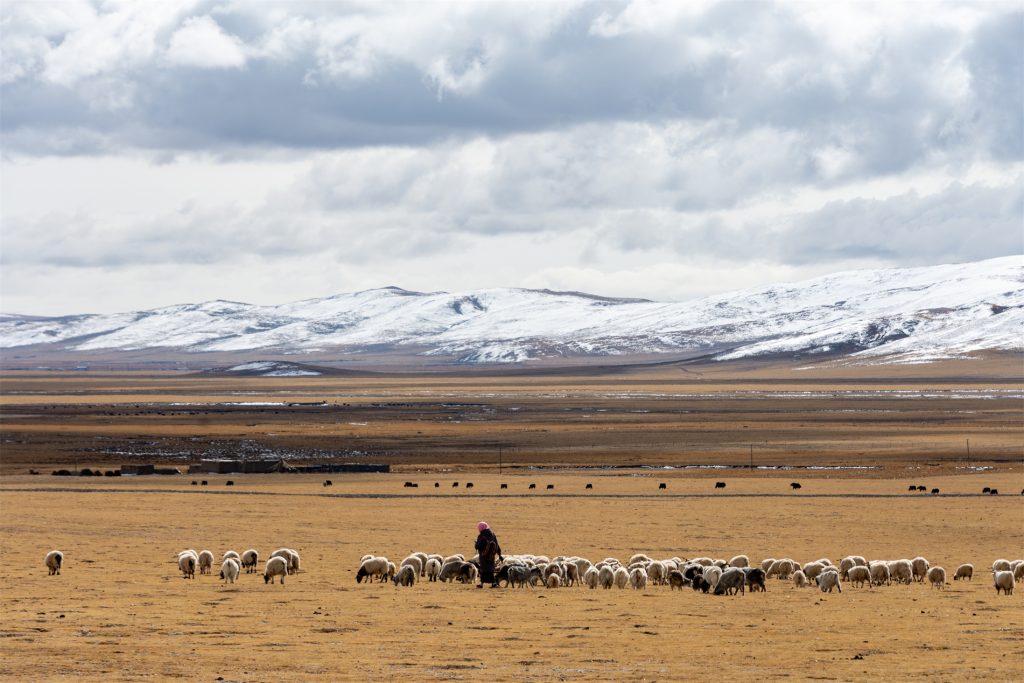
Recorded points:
(328,482)
(984,490)
(902,571)
(433,569)
(935,491)
(719,484)
(532,486)
(291,556)
(920,567)
(639,557)
(54,560)
(800,579)
(964,571)
(859,560)
(794,485)
(1017,567)
(519,575)
(187,564)
(712,574)
(464,572)
(413,561)
(638,579)
(845,565)
(250,558)
(205,562)
(721,564)
(589,486)
(437,484)
(937,577)
(740,561)
(731,582)
(406,575)
(504,486)
(592,577)
(229,570)
(755,579)
(1001,566)
(911,488)
(657,572)
(230,554)
(1004,582)
(662,485)
(699,584)
(767,564)
(229,483)
(621,577)
(276,566)
(921,488)
(203,482)
(813,569)
(606,577)
(370,567)
(455,484)
(858,576)
(879,573)
(829,580)
(469,484)
(994,492)
(550,487)
(676,580)
(553,581)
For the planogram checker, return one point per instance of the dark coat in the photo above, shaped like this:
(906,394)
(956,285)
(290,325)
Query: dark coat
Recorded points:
(487,546)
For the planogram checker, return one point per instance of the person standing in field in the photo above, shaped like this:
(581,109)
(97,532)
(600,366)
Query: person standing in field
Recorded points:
(489,550)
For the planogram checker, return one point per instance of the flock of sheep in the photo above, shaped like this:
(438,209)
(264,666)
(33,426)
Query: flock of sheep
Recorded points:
(282,562)
(703,574)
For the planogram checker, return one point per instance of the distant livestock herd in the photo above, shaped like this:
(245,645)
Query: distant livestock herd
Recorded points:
(702,574)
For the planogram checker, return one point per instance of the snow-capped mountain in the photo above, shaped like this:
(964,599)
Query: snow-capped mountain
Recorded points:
(901,314)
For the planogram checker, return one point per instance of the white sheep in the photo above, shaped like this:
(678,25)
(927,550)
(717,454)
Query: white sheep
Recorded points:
(406,575)
(413,561)
(229,570)
(54,560)
(901,571)
(621,577)
(813,569)
(920,566)
(800,579)
(433,569)
(205,562)
(291,557)
(879,572)
(592,577)
(657,572)
(638,578)
(1017,567)
(859,575)
(740,561)
(553,581)
(845,565)
(964,571)
(829,580)
(187,564)
(1001,566)
(712,574)
(639,557)
(276,566)
(767,563)
(423,561)
(232,555)
(372,567)
(250,558)
(1004,582)
(937,577)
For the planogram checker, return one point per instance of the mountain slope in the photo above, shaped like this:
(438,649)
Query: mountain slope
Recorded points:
(918,313)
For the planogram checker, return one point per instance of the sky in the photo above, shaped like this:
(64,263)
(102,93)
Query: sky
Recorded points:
(154,153)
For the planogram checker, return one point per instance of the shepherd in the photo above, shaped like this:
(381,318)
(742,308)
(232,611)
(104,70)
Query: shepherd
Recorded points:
(488,548)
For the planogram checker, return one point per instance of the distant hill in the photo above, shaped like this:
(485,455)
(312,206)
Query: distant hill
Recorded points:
(892,315)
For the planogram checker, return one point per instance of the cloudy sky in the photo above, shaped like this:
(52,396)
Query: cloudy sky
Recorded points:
(166,152)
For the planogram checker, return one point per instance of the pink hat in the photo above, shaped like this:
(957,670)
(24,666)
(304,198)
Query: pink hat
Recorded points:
(481,526)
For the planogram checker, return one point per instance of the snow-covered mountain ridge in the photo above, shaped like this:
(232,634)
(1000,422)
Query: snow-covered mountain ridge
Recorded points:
(903,314)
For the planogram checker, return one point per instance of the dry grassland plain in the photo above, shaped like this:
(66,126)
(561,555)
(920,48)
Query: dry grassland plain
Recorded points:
(121,611)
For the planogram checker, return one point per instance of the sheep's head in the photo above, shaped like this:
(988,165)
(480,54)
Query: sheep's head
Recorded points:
(266,578)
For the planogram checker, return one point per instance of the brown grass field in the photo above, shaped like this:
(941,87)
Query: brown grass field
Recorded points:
(121,611)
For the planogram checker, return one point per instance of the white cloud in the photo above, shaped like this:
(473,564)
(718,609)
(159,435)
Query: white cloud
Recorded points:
(200,42)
